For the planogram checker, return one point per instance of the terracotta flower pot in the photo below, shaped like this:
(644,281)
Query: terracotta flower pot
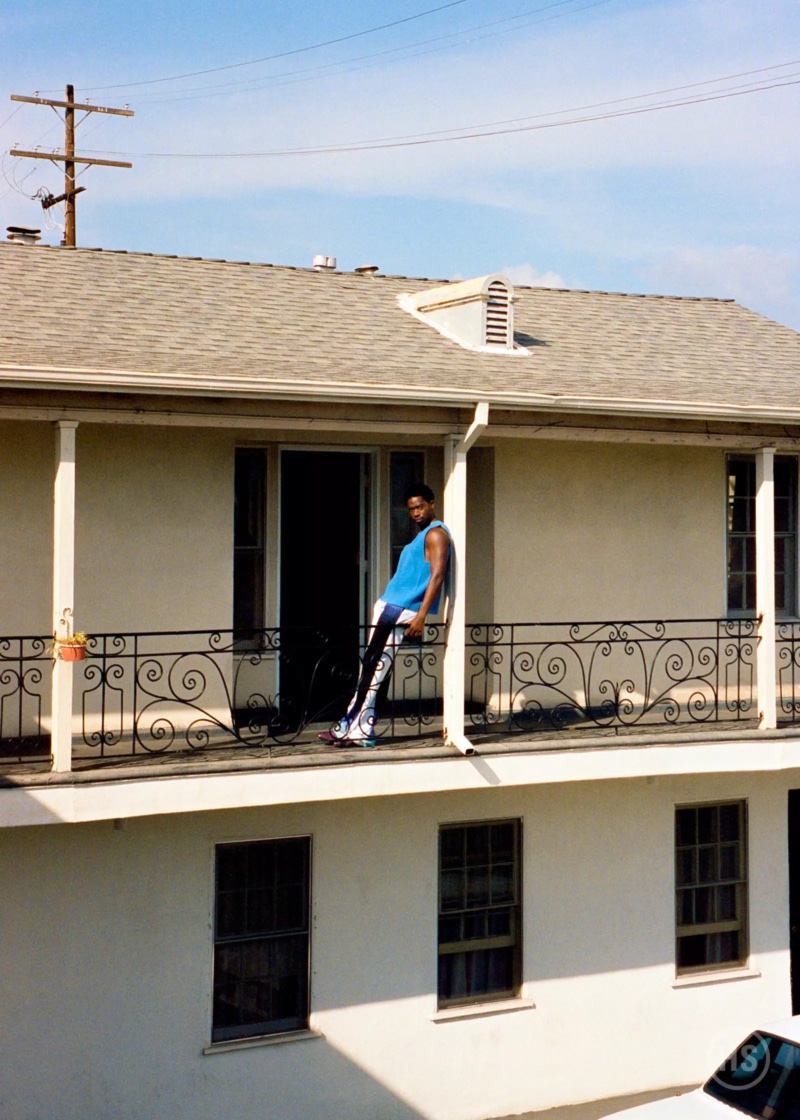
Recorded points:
(71,651)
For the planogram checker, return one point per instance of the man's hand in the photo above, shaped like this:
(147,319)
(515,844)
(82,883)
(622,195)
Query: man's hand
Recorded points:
(416,627)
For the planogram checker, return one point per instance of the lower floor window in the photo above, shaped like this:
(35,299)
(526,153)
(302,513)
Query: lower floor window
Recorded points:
(261,938)
(479,912)
(711,885)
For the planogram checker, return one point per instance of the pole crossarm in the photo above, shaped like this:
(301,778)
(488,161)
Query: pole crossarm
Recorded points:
(61,157)
(86,108)
(68,157)
(49,201)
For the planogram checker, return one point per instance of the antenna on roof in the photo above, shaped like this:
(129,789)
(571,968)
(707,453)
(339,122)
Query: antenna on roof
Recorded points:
(68,157)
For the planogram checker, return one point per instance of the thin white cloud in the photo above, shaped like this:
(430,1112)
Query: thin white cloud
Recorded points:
(526,275)
(757,278)
(541,70)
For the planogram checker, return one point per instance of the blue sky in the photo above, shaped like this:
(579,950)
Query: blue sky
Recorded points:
(702,199)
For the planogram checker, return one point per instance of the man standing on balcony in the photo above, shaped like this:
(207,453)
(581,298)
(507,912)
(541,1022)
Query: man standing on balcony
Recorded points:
(412,592)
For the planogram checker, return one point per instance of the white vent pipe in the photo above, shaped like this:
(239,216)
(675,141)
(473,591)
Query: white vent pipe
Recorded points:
(25,235)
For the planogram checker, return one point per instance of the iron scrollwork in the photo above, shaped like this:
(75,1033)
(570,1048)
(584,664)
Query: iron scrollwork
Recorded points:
(193,690)
(549,676)
(23,682)
(788,663)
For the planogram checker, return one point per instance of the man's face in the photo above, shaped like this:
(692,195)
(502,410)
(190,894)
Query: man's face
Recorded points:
(420,512)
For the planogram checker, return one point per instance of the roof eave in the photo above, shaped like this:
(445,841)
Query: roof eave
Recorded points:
(127,381)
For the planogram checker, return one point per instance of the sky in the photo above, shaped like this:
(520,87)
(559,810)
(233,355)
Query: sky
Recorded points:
(585,173)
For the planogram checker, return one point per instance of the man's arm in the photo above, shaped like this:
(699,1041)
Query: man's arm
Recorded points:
(437,550)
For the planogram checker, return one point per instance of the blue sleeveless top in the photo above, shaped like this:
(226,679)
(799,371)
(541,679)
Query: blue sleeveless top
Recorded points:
(407,586)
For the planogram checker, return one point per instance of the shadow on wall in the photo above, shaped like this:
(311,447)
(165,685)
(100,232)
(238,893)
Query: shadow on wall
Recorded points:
(338,1090)
(305,1080)
(598,890)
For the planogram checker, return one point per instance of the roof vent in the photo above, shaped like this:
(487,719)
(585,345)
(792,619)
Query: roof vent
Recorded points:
(323,263)
(367,269)
(477,314)
(25,235)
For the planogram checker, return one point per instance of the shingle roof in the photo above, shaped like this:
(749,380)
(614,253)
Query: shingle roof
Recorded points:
(78,309)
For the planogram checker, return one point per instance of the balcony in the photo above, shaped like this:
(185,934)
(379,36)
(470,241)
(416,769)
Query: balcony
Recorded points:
(267,694)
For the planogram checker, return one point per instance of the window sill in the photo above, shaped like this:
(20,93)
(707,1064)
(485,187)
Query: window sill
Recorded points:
(723,976)
(480,1010)
(262,1040)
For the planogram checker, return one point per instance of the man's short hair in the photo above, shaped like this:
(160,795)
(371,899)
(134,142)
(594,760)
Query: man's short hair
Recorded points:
(419,490)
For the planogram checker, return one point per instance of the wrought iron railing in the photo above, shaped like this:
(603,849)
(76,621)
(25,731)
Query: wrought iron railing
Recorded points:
(189,690)
(24,697)
(787,655)
(528,677)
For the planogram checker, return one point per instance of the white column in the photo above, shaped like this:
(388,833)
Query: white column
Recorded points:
(455,517)
(765,587)
(63,589)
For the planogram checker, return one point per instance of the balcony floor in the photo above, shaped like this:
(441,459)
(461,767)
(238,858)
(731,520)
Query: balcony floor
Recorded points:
(308,751)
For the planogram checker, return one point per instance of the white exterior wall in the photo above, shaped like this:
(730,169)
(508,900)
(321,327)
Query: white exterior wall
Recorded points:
(558,531)
(588,531)
(27,458)
(154,528)
(154,523)
(105,960)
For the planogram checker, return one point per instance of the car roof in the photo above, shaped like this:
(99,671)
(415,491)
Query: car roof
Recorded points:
(786,1028)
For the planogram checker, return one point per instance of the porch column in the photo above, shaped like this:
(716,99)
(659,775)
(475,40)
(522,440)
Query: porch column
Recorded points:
(765,587)
(63,589)
(455,516)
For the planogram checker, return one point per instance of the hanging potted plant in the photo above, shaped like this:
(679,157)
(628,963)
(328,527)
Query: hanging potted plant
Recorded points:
(70,648)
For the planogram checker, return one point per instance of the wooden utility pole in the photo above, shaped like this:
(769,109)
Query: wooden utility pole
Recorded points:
(68,157)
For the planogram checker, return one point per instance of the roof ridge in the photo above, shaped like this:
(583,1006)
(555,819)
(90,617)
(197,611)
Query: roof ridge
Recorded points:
(81,249)
(624,295)
(309,269)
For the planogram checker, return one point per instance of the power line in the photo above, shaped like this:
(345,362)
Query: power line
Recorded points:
(10,115)
(605,104)
(283,54)
(273,81)
(68,156)
(488,130)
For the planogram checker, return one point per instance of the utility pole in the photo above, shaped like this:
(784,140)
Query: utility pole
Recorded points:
(68,157)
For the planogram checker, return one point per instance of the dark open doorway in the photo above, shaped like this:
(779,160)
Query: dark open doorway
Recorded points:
(794,896)
(323,531)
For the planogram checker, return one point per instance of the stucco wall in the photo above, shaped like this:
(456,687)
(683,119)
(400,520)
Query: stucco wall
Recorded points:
(154,527)
(557,531)
(27,455)
(105,961)
(589,531)
(480,534)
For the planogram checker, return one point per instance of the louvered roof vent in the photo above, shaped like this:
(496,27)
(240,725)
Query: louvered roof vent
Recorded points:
(477,314)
